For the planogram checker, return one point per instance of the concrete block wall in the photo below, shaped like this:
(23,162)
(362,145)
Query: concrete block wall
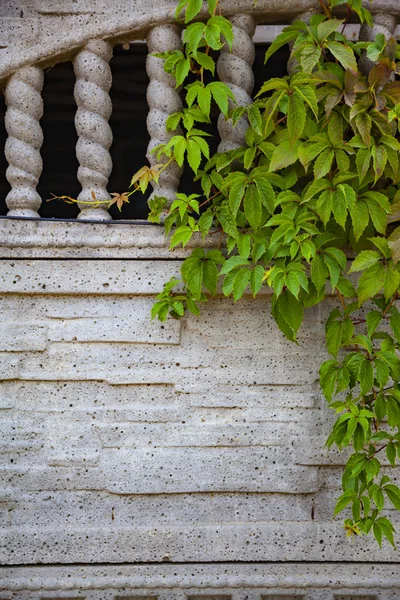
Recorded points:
(175,460)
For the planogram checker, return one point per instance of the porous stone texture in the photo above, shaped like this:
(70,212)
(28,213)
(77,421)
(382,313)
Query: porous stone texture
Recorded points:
(25,138)
(163,99)
(125,440)
(46,30)
(91,93)
(126,443)
(205,582)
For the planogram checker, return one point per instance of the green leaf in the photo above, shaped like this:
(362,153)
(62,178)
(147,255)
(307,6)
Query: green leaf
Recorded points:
(360,218)
(192,274)
(193,155)
(205,222)
(182,71)
(240,283)
(392,281)
(284,155)
(319,272)
(343,54)
(204,100)
(373,319)
(393,493)
(309,57)
(334,337)
(364,124)
(339,207)
(344,500)
(256,278)
(193,35)
(236,194)
(323,163)
(193,9)
(221,93)
(252,206)
(379,160)
(346,288)
(291,310)
(308,95)
(232,263)
(243,245)
(181,236)
(210,276)
(253,112)
(366,376)
(365,259)
(287,35)
(327,27)
(266,192)
(391,453)
(296,116)
(394,321)
(363,160)
(228,221)
(370,283)
(377,533)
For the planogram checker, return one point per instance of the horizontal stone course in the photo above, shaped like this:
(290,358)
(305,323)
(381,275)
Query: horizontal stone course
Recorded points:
(128,440)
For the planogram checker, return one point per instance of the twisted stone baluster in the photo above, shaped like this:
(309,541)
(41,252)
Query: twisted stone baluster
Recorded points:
(383,23)
(25,138)
(235,69)
(163,100)
(91,93)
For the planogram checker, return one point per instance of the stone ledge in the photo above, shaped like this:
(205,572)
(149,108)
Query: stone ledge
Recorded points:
(127,20)
(77,239)
(306,581)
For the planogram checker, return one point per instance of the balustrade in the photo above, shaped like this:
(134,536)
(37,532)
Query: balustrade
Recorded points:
(94,107)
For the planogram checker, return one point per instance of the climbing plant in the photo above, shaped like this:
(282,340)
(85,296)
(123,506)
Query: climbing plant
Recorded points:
(303,207)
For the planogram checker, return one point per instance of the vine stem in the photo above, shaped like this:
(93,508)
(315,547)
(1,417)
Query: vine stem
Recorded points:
(325,8)
(389,306)
(342,300)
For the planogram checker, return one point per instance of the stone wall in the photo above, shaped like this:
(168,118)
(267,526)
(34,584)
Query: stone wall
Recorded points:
(196,443)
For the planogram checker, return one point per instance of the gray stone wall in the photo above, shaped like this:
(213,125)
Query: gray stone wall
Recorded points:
(185,446)
(175,461)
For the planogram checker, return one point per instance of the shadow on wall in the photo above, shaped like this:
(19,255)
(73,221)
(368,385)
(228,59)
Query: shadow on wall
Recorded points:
(128,123)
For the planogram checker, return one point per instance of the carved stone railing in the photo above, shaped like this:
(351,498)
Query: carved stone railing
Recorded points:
(85,31)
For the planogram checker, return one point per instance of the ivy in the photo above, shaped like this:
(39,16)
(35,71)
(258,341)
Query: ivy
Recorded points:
(318,178)
(308,206)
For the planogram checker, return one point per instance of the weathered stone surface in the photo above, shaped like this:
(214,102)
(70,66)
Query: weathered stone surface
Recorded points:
(129,441)
(272,581)
(197,439)
(91,93)
(39,239)
(118,277)
(25,138)
(124,19)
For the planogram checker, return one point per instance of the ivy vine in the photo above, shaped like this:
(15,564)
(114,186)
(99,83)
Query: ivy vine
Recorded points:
(304,207)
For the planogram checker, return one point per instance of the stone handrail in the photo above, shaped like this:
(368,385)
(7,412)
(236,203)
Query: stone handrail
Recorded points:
(89,29)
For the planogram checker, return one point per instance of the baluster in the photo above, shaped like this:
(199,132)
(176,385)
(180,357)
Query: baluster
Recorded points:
(163,99)
(235,69)
(25,138)
(383,23)
(91,93)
